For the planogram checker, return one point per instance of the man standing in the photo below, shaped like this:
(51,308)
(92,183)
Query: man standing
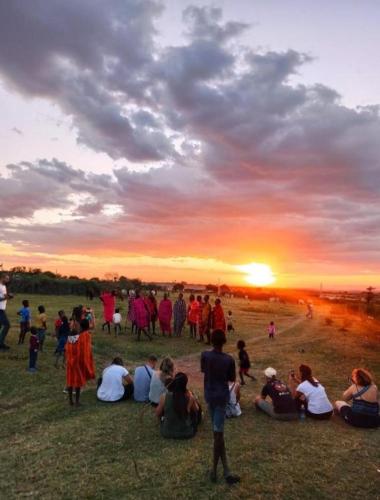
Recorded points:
(218,369)
(4,322)
(218,321)
(179,313)
(206,318)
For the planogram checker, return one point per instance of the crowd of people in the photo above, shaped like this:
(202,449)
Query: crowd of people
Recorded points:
(145,314)
(164,388)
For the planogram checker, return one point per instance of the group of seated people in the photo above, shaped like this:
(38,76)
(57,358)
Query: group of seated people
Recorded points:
(304,395)
(175,405)
(180,412)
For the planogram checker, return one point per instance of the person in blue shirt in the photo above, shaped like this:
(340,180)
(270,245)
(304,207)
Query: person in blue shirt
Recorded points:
(218,369)
(25,319)
(142,379)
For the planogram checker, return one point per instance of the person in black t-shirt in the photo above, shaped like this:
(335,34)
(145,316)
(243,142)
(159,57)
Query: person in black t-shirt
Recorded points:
(218,369)
(244,362)
(283,406)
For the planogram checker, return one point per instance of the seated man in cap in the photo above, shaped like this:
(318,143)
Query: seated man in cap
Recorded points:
(283,406)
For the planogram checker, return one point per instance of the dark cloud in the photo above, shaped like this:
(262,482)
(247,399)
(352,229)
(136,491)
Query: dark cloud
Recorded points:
(239,144)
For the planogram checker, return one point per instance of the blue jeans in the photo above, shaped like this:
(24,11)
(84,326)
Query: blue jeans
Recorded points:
(218,416)
(32,359)
(4,326)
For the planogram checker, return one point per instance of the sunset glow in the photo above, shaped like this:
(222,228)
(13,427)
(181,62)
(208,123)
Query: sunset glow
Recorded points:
(258,274)
(235,137)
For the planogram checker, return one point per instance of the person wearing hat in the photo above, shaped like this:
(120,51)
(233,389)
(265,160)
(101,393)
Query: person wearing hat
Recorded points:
(283,406)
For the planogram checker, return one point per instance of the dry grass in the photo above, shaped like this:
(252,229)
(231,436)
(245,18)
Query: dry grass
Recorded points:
(49,450)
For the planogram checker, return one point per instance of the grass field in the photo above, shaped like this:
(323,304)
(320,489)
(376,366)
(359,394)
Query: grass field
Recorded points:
(49,450)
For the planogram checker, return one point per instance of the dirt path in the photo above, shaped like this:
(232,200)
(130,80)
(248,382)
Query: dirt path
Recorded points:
(191,364)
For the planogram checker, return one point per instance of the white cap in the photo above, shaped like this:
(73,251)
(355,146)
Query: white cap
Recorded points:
(270,372)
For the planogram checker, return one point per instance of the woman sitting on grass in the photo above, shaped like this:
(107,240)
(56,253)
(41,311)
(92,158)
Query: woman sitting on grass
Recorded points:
(311,394)
(364,411)
(178,410)
(159,380)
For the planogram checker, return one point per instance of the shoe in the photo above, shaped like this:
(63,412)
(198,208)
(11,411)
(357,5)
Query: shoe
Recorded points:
(232,479)
(32,370)
(4,347)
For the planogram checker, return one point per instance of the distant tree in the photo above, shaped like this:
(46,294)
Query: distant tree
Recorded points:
(212,288)
(179,287)
(224,289)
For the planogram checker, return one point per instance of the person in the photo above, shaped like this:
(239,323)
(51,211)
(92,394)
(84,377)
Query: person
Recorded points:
(310,394)
(206,318)
(62,334)
(233,406)
(153,311)
(131,312)
(34,344)
(178,410)
(116,320)
(41,325)
(160,380)
(230,322)
(86,355)
(58,322)
(271,330)
(4,321)
(115,384)
(142,378)
(218,321)
(199,318)
(244,362)
(108,299)
(25,319)
(309,313)
(140,315)
(79,361)
(179,314)
(283,405)
(192,316)
(218,369)
(364,394)
(165,315)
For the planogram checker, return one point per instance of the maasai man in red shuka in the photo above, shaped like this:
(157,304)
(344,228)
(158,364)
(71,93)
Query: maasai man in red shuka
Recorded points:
(153,311)
(165,311)
(108,299)
(79,361)
(193,316)
(86,357)
(218,321)
(141,316)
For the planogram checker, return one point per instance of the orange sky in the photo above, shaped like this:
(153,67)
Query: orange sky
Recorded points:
(208,144)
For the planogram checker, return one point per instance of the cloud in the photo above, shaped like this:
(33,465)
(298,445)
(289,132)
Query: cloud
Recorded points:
(249,163)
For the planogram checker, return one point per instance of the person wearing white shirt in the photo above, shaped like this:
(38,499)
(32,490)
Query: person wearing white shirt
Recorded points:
(4,321)
(116,384)
(311,394)
(142,378)
(116,320)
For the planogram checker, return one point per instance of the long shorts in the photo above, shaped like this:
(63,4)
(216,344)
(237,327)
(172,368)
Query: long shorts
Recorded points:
(218,416)
(357,419)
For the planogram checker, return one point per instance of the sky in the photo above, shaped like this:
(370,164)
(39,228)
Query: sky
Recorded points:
(184,140)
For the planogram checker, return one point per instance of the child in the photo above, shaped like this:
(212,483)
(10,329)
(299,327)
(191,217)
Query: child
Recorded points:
(230,324)
(34,344)
(116,320)
(41,326)
(24,314)
(244,362)
(58,322)
(63,333)
(271,330)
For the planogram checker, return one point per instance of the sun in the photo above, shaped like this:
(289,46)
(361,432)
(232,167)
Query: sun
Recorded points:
(258,274)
